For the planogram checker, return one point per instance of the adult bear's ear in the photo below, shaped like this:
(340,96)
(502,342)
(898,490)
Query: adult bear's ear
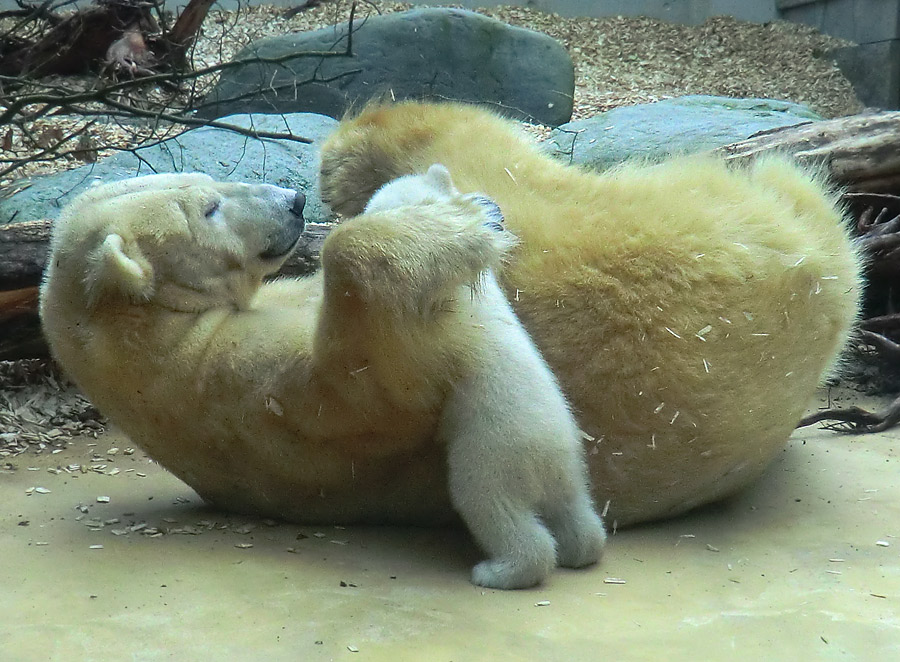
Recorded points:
(117,267)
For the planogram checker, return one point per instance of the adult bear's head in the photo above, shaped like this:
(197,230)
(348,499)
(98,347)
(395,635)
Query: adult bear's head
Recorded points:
(181,241)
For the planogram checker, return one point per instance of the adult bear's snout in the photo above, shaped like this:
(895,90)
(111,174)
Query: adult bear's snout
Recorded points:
(284,240)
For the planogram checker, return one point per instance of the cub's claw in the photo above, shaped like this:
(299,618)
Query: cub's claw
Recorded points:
(492,210)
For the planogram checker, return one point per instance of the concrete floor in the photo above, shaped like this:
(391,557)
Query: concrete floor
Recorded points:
(804,566)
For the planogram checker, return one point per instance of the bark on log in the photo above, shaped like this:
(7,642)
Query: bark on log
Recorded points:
(23,254)
(184,32)
(20,326)
(862,152)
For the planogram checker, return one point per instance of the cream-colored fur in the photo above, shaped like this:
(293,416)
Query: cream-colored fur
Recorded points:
(688,309)
(516,472)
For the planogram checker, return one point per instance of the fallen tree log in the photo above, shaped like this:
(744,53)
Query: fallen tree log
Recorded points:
(862,152)
(20,326)
(23,253)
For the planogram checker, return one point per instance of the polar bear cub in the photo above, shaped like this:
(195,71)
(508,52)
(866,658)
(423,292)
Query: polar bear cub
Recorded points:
(516,472)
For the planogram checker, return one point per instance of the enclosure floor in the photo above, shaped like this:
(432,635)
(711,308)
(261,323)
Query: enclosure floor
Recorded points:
(803,566)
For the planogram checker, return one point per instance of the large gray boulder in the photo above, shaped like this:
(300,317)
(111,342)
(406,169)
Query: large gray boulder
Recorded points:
(220,153)
(423,53)
(674,126)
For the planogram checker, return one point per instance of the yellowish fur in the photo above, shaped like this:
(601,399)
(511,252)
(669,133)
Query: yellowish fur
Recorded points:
(688,309)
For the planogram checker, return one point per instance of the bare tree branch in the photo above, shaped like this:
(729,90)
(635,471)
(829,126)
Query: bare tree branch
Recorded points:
(31,100)
(16,105)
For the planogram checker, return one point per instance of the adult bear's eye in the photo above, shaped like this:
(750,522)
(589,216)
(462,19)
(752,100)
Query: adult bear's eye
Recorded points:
(211,208)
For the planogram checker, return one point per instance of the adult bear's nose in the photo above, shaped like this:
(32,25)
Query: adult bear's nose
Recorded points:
(298,204)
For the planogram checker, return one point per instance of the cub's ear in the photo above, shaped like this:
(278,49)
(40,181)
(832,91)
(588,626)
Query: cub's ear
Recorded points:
(440,178)
(118,268)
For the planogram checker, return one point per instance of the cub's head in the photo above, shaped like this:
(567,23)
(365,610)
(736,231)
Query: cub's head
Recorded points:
(182,241)
(436,185)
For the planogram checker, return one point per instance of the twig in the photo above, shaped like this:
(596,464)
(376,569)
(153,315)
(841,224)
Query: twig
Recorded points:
(856,419)
(16,105)
(49,153)
(884,346)
(279,88)
(32,12)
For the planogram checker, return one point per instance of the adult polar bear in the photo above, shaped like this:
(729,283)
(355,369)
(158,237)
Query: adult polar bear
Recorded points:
(688,309)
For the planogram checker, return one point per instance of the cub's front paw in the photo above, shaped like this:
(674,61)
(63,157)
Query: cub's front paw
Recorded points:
(492,211)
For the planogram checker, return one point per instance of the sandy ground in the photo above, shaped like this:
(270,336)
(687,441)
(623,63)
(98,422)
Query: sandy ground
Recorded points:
(803,566)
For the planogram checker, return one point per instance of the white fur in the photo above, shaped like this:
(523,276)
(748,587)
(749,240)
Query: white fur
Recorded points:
(516,472)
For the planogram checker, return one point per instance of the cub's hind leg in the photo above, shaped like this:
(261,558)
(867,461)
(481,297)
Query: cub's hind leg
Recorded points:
(522,552)
(579,532)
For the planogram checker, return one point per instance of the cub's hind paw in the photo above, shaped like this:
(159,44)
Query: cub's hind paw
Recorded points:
(507,574)
(581,542)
